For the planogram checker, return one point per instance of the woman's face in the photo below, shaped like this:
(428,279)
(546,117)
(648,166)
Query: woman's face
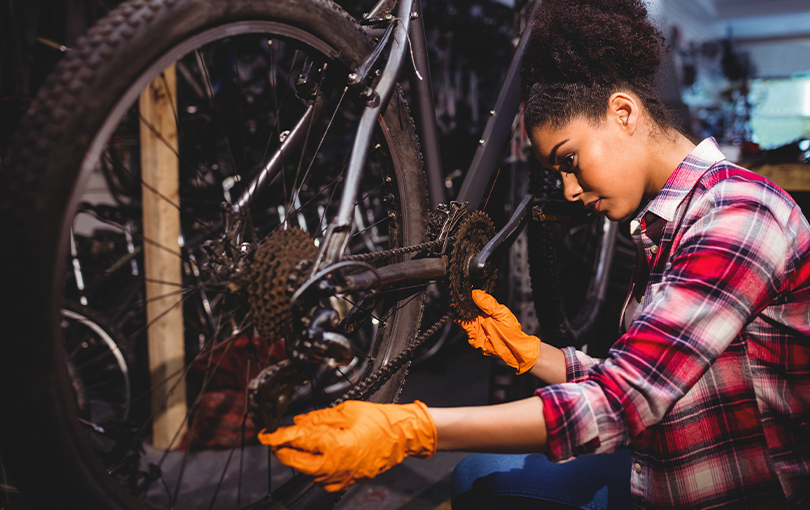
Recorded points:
(597,162)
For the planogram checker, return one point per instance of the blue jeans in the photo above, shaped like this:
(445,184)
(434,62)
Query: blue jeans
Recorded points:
(594,482)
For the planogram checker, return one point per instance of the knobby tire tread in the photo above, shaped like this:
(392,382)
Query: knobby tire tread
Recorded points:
(34,191)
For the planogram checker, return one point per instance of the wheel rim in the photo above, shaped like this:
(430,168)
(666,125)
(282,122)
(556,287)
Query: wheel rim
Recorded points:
(109,148)
(586,255)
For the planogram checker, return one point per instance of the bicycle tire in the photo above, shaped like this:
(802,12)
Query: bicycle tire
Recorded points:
(53,154)
(569,287)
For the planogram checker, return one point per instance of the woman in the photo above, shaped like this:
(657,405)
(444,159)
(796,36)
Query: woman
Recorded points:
(708,390)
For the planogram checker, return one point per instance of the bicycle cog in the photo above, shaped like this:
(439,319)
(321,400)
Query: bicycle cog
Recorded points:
(473,233)
(275,259)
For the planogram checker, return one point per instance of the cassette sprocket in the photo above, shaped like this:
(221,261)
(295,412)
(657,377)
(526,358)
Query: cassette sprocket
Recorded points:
(275,259)
(474,232)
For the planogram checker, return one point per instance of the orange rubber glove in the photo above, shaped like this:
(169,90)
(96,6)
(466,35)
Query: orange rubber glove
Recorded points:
(498,333)
(353,441)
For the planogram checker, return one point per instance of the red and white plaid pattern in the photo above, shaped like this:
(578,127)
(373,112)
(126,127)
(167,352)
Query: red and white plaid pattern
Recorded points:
(710,386)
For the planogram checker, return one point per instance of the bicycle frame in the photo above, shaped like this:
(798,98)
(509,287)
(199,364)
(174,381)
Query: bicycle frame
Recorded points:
(496,131)
(410,32)
(405,34)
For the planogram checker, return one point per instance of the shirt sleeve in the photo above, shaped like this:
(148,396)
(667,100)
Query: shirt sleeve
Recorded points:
(727,267)
(577,364)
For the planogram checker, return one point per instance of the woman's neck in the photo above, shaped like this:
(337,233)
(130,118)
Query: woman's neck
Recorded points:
(666,153)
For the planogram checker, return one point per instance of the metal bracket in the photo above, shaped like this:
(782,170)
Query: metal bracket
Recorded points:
(365,67)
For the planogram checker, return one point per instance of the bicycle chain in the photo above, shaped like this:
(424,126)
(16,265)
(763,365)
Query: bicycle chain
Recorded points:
(374,381)
(371,383)
(369,257)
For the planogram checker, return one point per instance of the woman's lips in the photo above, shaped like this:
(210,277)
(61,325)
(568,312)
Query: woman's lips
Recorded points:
(594,206)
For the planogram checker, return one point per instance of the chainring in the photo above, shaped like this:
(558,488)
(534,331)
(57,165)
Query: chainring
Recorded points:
(275,260)
(473,233)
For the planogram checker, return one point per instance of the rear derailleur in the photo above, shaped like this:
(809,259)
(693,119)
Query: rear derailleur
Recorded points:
(316,343)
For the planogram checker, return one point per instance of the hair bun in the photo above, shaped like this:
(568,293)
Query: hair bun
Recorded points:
(591,42)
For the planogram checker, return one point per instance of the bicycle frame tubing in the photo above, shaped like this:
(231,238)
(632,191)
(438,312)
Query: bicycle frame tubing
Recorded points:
(496,131)
(337,234)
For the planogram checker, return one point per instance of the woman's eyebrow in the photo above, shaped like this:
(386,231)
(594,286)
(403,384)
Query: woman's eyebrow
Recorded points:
(552,157)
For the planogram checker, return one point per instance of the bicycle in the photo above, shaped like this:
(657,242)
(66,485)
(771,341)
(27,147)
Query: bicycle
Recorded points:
(263,248)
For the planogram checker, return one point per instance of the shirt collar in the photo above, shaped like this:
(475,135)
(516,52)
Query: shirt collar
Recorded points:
(683,179)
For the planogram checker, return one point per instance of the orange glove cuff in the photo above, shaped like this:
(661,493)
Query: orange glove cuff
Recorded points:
(423,444)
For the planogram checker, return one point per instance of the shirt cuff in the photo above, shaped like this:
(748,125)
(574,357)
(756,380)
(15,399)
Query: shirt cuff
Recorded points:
(577,364)
(570,422)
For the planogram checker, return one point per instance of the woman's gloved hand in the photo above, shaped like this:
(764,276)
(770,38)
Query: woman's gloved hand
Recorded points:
(353,441)
(498,333)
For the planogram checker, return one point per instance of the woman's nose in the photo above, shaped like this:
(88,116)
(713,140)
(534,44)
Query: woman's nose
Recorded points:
(571,188)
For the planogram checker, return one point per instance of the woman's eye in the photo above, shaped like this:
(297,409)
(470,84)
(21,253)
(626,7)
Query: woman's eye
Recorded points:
(567,164)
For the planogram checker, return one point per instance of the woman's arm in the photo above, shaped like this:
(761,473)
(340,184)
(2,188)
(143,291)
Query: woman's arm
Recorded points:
(550,367)
(514,427)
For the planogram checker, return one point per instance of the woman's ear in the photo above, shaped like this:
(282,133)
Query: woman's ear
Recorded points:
(624,110)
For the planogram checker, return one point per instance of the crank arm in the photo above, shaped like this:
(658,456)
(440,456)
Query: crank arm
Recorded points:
(530,207)
(482,265)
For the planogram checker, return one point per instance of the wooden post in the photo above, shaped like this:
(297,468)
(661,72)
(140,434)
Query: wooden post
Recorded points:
(163,267)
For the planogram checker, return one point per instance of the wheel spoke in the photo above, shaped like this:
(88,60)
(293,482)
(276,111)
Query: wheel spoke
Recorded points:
(169,146)
(320,143)
(242,444)
(137,333)
(222,478)
(139,237)
(230,115)
(173,103)
(209,88)
(179,375)
(295,190)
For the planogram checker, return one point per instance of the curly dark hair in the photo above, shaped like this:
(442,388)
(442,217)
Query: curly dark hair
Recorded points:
(581,52)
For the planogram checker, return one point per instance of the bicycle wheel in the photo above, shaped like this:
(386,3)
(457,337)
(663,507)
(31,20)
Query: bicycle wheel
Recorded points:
(570,265)
(75,194)
(99,374)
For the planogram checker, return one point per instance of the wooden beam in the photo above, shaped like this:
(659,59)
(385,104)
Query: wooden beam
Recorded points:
(161,230)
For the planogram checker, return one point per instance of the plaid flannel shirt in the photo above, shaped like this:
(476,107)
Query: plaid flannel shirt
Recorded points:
(710,386)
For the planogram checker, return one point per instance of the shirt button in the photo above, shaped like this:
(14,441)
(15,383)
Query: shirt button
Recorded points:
(654,249)
(637,467)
